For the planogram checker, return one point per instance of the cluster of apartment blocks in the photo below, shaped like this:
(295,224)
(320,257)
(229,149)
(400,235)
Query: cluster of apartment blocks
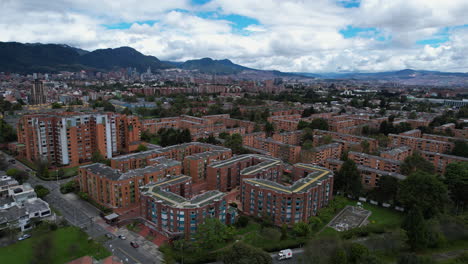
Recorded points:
(286,146)
(160,182)
(200,127)
(262,192)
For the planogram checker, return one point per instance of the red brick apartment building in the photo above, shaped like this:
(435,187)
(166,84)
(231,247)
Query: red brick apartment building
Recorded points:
(249,139)
(262,192)
(290,153)
(399,153)
(319,155)
(286,123)
(117,186)
(171,209)
(375,162)
(288,204)
(290,137)
(421,144)
(226,175)
(200,126)
(71,138)
(458,133)
(415,123)
(441,161)
(369,177)
(373,143)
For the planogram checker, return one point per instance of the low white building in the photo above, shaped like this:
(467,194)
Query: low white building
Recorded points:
(20,205)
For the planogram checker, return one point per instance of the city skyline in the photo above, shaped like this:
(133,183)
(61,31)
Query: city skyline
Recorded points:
(291,36)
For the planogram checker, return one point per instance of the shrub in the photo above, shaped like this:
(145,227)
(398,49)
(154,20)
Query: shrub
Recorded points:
(242,221)
(41,191)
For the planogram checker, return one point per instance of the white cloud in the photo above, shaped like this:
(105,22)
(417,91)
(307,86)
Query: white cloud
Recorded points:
(292,35)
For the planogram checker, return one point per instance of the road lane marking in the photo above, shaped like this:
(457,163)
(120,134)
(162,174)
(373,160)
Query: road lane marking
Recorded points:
(128,255)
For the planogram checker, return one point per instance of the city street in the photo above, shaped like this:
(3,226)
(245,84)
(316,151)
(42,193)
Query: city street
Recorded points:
(82,214)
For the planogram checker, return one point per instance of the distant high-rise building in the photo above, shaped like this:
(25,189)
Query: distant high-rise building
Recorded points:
(37,93)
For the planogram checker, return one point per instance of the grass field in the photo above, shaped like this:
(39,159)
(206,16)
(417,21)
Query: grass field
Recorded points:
(67,244)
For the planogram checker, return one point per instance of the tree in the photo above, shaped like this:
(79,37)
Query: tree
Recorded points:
(416,229)
(7,133)
(387,189)
(302,229)
(242,221)
(319,123)
(142,147)
(19,175)
(307,145)
(284,232)
(416,162)
(424,191)
(302,124)
(211,233)
(357,252)
(241,253)
(365,146)
(41,191)
(460,149)
(42,169)
(269,128)
(456,178)
(3,162)
(315,223)
(307,134)
(56,105)
(234,142)
(97,157)
(412,115)
(308,112)
(348,178)
(414,259)
(339,257)
(127,111)
(322,250)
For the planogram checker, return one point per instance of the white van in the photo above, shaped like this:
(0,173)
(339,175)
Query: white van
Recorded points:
(285,254)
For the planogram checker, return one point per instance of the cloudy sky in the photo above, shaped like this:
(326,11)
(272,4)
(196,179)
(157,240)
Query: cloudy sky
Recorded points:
(287,35)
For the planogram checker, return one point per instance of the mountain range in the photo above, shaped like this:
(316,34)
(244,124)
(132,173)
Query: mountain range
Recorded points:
(35,57)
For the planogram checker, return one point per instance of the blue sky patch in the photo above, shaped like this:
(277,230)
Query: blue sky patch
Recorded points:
(127,25)
(351,32)
(349,3)
(238,22)
(200,2)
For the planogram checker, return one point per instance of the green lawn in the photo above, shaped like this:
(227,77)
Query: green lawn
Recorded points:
(383,216)
(67,244)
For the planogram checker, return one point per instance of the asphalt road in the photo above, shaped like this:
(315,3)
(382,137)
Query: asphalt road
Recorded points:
(82,214)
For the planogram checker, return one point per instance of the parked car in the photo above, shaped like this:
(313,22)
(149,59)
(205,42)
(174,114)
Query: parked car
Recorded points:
(23,237)
(109,236)
(122,237)
(134,244)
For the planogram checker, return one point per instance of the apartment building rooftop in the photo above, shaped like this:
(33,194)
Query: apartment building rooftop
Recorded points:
(302,185)
(223,163)
(445,155)
(178,201)
(343,134)
(365,168)
(374,157)
(326,146)
(397,150)
(260,166)
(418,138)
